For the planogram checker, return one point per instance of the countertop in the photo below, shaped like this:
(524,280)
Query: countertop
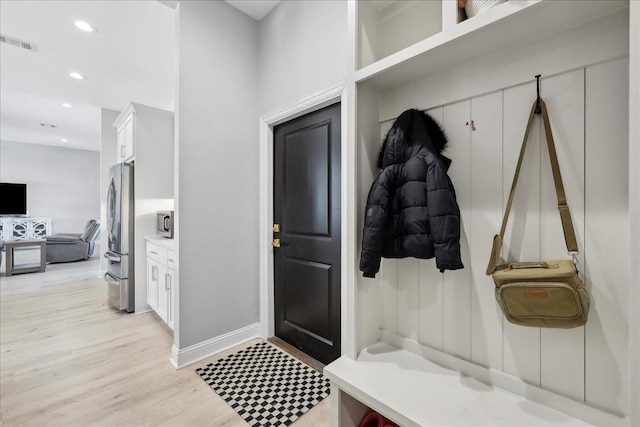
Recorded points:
(161,241)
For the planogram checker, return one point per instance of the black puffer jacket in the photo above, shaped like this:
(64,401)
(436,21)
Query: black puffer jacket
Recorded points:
(411,208)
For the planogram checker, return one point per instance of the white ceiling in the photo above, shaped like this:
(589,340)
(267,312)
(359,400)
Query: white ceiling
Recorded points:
(130,57)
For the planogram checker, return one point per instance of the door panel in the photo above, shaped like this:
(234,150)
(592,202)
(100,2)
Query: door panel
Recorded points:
(307,181)
(307,208)
(307,296)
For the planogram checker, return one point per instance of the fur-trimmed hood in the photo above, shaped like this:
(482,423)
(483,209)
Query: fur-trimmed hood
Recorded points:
(412,132)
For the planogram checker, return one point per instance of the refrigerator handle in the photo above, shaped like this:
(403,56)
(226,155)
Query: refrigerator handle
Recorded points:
(112,257)
(112,280)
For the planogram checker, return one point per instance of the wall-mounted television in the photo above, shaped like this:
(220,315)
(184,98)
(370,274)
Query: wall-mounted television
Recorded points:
(13,199)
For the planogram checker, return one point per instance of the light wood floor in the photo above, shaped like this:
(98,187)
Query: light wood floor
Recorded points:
(67,358)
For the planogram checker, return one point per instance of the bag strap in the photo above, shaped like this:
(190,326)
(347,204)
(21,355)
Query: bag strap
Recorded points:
(565,214)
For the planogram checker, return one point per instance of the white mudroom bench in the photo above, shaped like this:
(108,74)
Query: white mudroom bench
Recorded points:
(411,390)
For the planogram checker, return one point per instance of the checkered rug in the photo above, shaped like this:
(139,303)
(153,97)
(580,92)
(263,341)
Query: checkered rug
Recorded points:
(266,386)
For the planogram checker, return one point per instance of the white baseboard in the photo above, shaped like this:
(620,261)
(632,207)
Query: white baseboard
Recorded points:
(194,353)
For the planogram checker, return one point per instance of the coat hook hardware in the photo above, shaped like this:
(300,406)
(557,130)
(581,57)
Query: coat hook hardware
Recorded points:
(473,125)
(538,106)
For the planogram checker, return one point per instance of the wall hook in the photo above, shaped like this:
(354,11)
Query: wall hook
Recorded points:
(473,126)
(538,109)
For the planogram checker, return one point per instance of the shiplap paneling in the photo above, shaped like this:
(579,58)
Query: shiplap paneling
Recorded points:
(431,288)
(431,294)
(486,213)
(579,363)
(521,348)
(562,350)
(607,222)
(389,292)
(457,290)
(408,298)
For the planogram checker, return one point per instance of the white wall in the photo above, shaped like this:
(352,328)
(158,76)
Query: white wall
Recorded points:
(217,165)
(303,48)
(107,159)
(62,183)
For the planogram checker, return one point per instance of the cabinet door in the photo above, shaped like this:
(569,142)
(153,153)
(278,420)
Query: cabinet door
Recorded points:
(170,294)
(129,138)
(163,292)
(39,229)
(120,145)
(20,229)
(153,283)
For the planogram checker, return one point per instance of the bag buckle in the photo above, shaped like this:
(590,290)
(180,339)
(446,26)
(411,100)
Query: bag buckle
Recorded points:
(574,259)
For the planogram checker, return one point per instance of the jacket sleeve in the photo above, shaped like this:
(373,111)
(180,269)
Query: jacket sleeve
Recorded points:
(376,218)
(444,218)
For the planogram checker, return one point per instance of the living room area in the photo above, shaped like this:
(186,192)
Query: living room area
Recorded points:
(48,190)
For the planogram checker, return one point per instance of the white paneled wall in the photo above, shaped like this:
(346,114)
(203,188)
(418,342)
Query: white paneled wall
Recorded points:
(521,349)
(408,298)
(431,290)
(562,351)
(486,214)
(457,284)
(606,222)
(456,311)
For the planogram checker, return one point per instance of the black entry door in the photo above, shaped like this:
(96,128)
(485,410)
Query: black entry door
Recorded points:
(307,210)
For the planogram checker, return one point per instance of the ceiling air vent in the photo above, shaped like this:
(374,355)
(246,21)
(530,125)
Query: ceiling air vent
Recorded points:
(17,42)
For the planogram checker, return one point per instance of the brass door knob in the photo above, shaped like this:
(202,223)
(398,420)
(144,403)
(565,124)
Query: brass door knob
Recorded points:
(276,243)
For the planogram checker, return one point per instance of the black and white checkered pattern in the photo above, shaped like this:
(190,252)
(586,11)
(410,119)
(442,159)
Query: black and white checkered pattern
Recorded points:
(267,387)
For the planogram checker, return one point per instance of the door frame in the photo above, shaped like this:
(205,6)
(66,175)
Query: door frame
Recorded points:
(337,92)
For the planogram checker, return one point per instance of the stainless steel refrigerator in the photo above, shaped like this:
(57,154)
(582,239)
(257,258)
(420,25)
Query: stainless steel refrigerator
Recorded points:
(120,255)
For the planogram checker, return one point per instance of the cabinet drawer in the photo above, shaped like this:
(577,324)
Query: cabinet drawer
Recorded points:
(157,252)
(171,258)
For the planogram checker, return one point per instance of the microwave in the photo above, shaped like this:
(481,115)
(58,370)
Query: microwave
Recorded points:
(165,224)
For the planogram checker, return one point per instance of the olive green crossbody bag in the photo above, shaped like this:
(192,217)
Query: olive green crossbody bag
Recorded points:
(547,294)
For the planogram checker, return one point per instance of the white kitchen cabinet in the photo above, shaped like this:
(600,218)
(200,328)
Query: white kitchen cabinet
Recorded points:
(126,135)
(160,278)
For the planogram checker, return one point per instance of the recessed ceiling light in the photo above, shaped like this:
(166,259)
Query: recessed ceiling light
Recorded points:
(82,25)
(65,105)
(77,76)
(63,140)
